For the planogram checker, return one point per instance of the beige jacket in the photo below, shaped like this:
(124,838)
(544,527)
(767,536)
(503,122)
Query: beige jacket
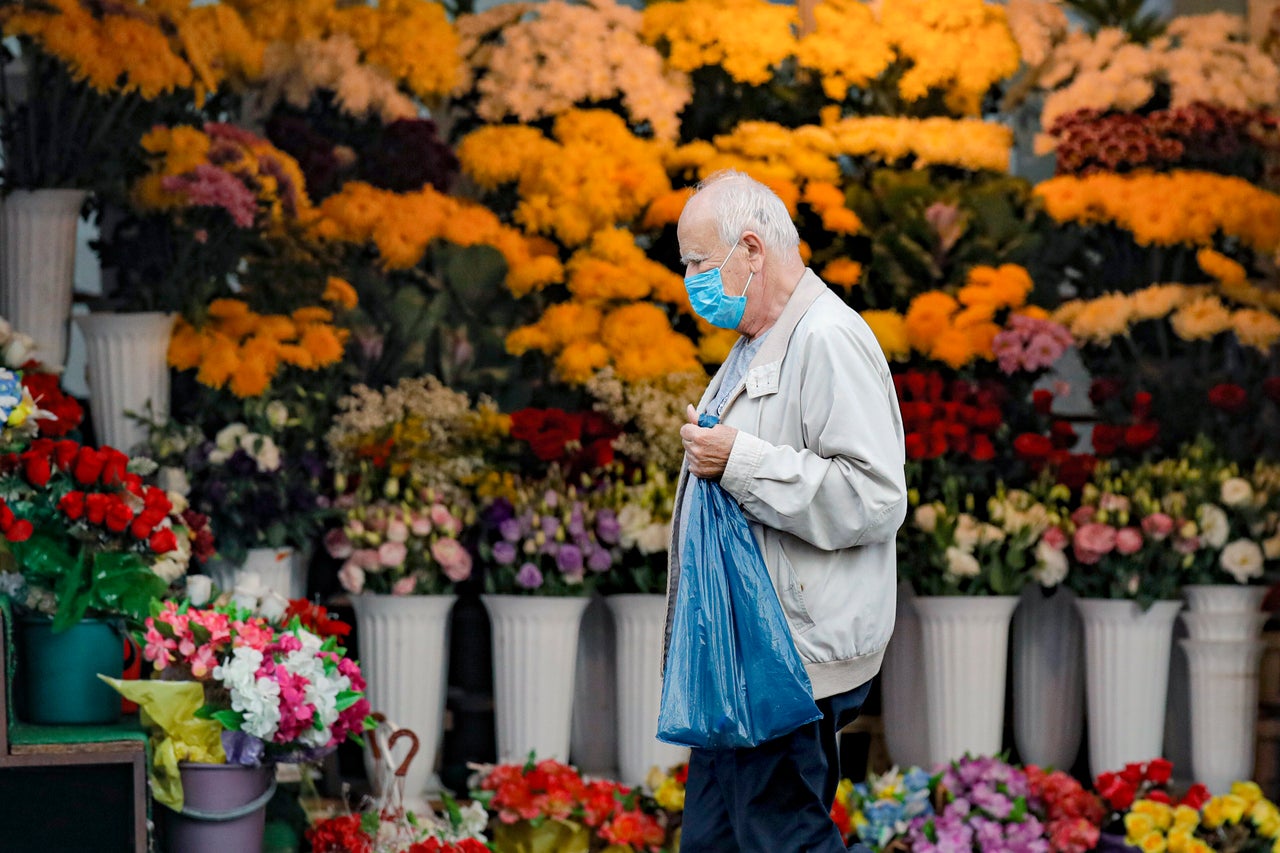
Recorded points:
(817,467)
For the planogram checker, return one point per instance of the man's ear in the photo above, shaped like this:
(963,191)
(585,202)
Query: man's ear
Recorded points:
(755,250)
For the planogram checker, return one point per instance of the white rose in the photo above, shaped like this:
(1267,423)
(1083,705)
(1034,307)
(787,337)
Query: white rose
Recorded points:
(1051,565)
(263,450)
(174,480)
(926,517)
(1214,526)
(277,413)
(199,590)
(1242,559)
(968,532)
(1237,492)
(632,520)
(962,564)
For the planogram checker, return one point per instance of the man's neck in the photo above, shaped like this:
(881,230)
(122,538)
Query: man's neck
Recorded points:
(778,303)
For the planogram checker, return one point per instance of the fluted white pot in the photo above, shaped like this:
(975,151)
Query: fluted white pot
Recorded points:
(1126,678)
(1048,678)
(965,641)
(127,360)
(1224,598)
(906,728)
(535,644)
(281,570)
(37,265)
(404,655)
(1224,709)
(639,622)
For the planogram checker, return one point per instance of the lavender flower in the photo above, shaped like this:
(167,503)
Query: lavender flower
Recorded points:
(607,527)
(569,559)
(529,577)
(510,530)
(600,560)
(504,553)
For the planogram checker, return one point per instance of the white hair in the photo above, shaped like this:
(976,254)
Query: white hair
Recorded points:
(741,204)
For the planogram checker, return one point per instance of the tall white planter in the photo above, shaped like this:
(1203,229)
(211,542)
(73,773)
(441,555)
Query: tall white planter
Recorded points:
(965,642)
(282,570)
(127,360)
(1048,678)
(1224,598)
(902,692)
(404,654)
(37,265)
(535,644)
(1224,709)
(1126,678)
(639,622)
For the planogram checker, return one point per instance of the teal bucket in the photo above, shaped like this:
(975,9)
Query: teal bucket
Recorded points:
(59,671)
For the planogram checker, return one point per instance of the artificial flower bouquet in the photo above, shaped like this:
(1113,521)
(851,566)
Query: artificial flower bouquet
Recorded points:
(88,536)
(547,805)
(233,687)
(1072,814)
(460,829)
(983,804)
(56,413)
(255,493)
(666,787)
(882,808)
(1141,790)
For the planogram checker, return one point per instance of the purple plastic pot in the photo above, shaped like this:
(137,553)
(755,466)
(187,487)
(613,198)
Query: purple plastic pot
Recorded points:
(225,809)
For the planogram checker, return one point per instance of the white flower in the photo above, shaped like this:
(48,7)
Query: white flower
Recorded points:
(248,590)
(263,451)
(19,349)
(962,564)
(654,539)
(11,583)
(1242,559)
(272,606)
(989,533)
(277,413)
(632,521)
(1051,565)
(1271,547)
(1214,526)
(1237,492)
(968,532)
(174,480)
(226,442)
(199,590)
(351,576)
(926,517)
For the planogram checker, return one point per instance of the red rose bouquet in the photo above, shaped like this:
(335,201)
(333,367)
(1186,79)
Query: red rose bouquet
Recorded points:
(1150,781)
(88,535)
(1072,814)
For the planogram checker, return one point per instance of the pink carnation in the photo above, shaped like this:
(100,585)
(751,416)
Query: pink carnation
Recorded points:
(404,586)
(1158,526)
(392,554)
(1054,538)
(453,559)
(1092,542)
(1129,540)
(351,576)
(1083,515)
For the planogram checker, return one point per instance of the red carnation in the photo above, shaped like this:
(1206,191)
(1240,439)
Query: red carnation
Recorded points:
(1228,397)
(1142,405)
(547,431)
(987,418)
(1032,447)
(1062,435)
(163,541)
(1107,439)
(982,450)
(916,446)
(915,382)
(1104,390)
(1141,436)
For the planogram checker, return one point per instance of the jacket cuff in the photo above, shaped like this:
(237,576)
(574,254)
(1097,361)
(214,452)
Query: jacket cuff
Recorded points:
(744,460)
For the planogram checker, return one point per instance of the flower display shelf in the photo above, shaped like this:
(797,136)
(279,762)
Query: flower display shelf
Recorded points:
(52,750)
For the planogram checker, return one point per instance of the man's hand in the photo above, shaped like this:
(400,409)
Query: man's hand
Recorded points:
(707,448)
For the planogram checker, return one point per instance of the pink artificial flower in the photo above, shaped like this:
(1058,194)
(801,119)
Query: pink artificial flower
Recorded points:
(404,586)
(351,576)
(158,648)
(397,531)
(420,524)
(366,558)
(443,519)
(1092,542)
(1055,538)
(203,661)
(392,554)
(1041,352)
(1113,503)
(1158,526)
(1082,515)
(453,559)
(337,544)
(254,633)
(1129,540)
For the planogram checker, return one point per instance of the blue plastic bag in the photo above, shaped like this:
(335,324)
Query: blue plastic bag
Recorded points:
(733,675)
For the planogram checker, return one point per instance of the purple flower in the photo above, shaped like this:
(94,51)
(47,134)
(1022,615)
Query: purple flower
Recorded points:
(600,560)
(510,530)
(550,498)
(569,559)
(529,577)
(986,797)
(504,553)
(550,524)
(607,527)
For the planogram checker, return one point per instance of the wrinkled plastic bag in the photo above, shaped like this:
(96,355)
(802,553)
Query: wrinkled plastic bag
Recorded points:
(733,675)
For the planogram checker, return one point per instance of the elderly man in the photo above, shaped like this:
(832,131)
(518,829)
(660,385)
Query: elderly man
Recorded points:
(810,443)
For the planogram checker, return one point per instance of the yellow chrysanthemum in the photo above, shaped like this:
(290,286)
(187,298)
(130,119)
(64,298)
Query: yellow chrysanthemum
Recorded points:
(340,292)
(1201,319)
(890,329)
(928,316)
(1220,267)
(842,272)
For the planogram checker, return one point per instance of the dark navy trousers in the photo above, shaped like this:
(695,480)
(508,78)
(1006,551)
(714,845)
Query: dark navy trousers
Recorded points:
(772,798)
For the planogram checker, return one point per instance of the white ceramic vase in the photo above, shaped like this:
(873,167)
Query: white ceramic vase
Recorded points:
(535,644)
(282,570)
(639,621)
(1126,678)
(1224,709)
(1048,678)
(127,360)
(902,691)
(965,642)
(404,656)
(1224,598)
(37,265)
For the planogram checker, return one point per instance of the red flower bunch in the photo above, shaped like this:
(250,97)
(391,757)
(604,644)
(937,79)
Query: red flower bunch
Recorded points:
(342,834)
(1145,782)
(549,789)
(435,845)
(1228,397)
(580,441)
(948,417)
(47,391)
(1073,815)
(316,619)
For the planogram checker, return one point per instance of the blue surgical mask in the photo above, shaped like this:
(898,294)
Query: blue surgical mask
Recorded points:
(711,303)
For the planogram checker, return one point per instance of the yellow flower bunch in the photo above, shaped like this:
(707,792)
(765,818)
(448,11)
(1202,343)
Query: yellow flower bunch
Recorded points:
(637,339)
(827,200)
(967,143)
(1245,807)
(552,56)
(1220,267)
(962,47)
(403,225)
(243,351)
(1155,826)
(890,329)
(1194,313)
(1181,207)
(594,173)
(122,51)
(747,38)
(412,40)
(842,272)
(216,43)
(668,786)
(960,329)
(847,46)
(612,267)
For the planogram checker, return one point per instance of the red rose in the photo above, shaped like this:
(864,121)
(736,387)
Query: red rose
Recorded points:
(1042,401)
(1062,435)
(37,469)
(88,466)
(19,531)
(163,541)
(546,431)
(1271,388)
(1228,397)
(141,527)
(982,450)
(987,418)
(1142,405)
(1032,447)
(115,467)
(1133,773)
(1197,795)
(64,453)
(118,516)
(1141,436)
(916,446)
(1107,439)
(7,518)
(1160,796)
(96,507)
(1159,770)
(72,504)
(156,501)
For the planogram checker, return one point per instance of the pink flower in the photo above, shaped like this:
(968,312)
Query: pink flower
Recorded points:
(1054,538)
(1083,515)
(1092,542)
(337,544)
(1113,503)
(1007,347)
(442,518)
(203,661)
(392,554)
(1041,352)
(404,586)
(397,531)
(453,559)
(351,576)
(366,558)
(1186,545)
(1129,540)
(420,524)
(1158,526)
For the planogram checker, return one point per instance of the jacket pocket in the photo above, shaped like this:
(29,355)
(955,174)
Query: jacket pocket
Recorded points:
(791,594)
